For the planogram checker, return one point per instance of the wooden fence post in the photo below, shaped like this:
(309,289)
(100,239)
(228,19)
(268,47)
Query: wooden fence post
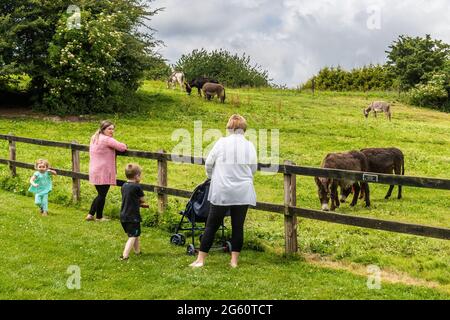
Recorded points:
(290,221)
(12,156)
(162,182)
(76,187)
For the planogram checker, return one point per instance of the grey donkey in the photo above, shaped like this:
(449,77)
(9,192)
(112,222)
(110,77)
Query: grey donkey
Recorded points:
(378,106)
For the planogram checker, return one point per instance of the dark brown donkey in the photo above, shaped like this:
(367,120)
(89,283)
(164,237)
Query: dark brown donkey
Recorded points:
(388,161)
(198,83)
(327,187)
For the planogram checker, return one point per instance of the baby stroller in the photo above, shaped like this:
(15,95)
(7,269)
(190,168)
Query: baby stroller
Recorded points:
(195,216)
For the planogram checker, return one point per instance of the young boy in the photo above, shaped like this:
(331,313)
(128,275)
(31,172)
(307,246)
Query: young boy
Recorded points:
(130,217)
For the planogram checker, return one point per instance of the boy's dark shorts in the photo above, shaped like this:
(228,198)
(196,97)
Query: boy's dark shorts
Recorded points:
(132,229)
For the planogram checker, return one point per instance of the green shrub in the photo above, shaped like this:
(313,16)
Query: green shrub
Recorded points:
(231,70)
(90,67)
(432,94)
(372,77)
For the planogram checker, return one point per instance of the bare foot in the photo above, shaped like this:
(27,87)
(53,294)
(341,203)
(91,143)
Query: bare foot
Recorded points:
(89,218)
(196,264)
(233,264)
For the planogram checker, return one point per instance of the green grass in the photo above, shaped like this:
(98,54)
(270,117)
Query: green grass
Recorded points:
(37,251)
(310,127)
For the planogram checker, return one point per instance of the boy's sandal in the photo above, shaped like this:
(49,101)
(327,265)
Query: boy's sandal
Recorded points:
(89,218)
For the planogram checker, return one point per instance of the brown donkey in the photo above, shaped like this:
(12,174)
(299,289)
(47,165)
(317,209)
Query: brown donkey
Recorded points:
(327,187)
(211,89)
(386,160)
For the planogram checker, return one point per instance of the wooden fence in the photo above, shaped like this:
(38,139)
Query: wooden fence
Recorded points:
(289,209)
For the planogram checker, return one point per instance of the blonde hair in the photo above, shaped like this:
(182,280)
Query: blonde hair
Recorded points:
(237,124)
(103,126)
(132,170)
(43,161)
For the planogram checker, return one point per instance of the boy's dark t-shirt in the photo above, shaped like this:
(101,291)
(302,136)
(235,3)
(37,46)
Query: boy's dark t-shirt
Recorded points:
(130,210)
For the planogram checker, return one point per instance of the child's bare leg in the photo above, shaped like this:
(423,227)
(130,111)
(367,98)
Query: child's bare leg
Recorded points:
(128,246)
(137,245)
(200,260)
(234,259)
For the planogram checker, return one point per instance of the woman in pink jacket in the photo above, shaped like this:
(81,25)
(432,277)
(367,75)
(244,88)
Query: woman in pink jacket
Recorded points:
(102,166)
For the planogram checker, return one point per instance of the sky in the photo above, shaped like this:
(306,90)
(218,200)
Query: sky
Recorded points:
(293,39)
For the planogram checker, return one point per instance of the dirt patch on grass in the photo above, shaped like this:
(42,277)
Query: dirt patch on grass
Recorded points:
(15,112)
(387,275)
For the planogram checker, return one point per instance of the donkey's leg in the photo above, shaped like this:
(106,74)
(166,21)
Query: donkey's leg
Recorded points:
(398,170)
(367,194)
(355,196)
(388,194)
(374,113)
(334,195)
(388,115)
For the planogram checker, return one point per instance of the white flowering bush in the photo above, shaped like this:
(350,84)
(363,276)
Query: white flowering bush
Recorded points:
(90,69)
(433,93)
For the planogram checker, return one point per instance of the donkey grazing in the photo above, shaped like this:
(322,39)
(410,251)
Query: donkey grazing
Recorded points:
(386,160)
(327,187)
(211,89)
(378,106)
(176,77)
(198,83)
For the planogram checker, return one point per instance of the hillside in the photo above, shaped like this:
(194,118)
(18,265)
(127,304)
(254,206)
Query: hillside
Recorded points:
(309,128)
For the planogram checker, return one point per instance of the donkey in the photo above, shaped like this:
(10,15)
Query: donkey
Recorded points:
(327,187)
(176,77)
(211,89)
(386,160)
(378,106)
(198,83)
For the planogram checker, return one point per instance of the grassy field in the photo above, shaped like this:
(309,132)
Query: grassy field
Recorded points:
(309,127)
(37,252)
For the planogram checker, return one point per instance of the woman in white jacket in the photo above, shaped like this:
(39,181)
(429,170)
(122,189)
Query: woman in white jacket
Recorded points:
(231,165)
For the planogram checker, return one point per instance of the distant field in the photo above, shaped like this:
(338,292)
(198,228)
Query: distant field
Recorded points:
(310,127)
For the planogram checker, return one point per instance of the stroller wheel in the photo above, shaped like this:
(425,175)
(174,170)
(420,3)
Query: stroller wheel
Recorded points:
(177,239)
(190,250)
(226,246)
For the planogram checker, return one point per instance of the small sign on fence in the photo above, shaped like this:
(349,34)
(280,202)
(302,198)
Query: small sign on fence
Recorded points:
(370,177)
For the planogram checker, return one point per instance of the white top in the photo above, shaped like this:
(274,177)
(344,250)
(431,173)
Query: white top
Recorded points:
(231,165)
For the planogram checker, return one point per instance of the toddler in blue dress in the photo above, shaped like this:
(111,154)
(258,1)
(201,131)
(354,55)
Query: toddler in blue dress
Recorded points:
(41,185)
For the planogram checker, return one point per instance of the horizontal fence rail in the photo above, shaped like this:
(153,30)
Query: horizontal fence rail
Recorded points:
(289,209)
(400,227)
(420,182)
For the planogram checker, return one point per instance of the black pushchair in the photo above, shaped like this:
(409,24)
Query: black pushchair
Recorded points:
(196,213)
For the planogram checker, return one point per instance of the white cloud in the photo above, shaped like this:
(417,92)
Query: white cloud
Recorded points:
(293,39)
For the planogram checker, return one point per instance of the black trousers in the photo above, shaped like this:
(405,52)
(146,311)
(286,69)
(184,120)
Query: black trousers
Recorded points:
(99,202)
(214,221)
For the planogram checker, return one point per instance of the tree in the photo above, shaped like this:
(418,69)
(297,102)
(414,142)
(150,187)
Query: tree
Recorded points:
(411,59)
(232,70)
(80,69)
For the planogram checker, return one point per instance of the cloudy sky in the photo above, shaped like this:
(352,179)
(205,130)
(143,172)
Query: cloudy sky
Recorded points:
(293,39)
